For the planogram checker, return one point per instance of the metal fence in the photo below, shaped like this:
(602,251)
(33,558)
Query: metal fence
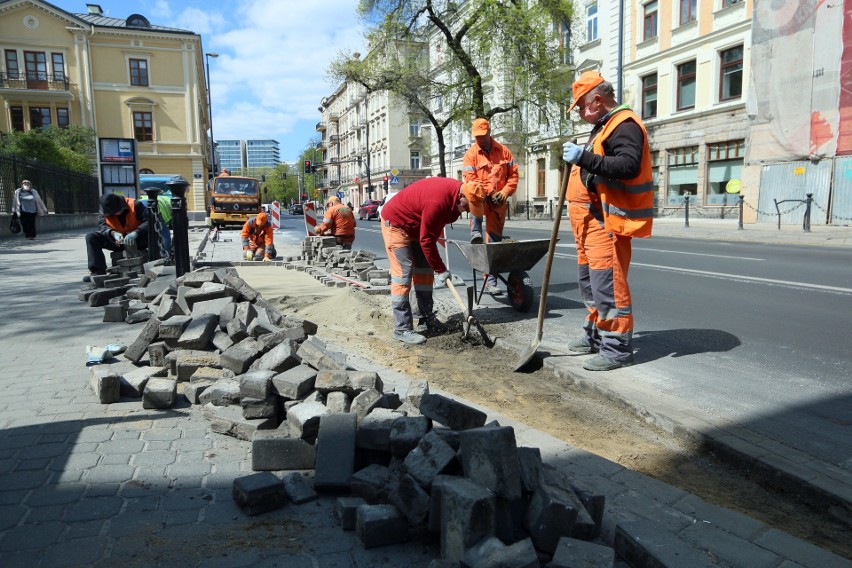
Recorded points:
(63,191)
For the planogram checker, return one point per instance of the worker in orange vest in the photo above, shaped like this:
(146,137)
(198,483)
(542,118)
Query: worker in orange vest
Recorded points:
(122,224)
(338,221)
(611,200)
(257,239)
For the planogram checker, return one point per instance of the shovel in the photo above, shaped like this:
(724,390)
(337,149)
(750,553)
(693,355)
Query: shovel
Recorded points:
(528,353)
(469,319)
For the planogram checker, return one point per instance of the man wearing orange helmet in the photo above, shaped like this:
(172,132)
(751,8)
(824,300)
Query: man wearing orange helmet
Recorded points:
(257,239)
(338,221)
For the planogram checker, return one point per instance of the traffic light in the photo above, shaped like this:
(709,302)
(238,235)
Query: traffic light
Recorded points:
(307,166)
(385,181)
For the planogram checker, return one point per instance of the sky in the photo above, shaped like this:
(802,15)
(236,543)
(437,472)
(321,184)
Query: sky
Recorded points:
(270,75)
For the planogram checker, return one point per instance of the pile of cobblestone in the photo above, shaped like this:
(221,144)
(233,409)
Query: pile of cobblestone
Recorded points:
(325,253)
(406,463)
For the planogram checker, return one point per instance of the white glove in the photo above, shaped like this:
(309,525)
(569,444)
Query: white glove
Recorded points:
(130,238)
(441,279)
(117,237)
(571,152)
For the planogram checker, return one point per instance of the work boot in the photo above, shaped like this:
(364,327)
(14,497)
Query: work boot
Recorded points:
(430,324)
(601,363)
(493,290)
(582,348)
(409,337)
(476,231)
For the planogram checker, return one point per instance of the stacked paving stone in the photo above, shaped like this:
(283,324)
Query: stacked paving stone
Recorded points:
(325,253)
(199,330)
(408,464)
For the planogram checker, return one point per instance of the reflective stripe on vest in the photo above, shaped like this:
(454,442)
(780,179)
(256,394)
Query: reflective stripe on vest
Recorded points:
(628,205)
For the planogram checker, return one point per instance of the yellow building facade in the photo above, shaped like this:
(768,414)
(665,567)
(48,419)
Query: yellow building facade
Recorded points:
(123,77)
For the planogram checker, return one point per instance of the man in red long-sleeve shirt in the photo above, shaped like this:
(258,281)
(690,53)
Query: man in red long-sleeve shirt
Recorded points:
(412,222)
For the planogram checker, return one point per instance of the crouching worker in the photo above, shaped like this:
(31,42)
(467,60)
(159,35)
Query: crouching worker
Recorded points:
(338,221)
(122,225)
(412,223)
(257,239)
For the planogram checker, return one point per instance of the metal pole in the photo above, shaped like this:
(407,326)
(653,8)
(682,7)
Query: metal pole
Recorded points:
(528,209)
(686,210)
(210,112)
(153,235)
(742,202)
(180,223)
(806,226)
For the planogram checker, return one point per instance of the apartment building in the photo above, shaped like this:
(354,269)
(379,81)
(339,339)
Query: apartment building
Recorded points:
(123,77)
(370,145)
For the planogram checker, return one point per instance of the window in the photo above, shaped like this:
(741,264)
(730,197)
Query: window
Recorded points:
(414,130)
(688,11)
(731,73)
(143,126)
(12,68)
(16,116)
(565,44)
(686,85)
(414,158)
(655,175)
(58,63)
(683,173)
(591,22)
(35,64)
(724,163)
(650,21)
(729,3)
(541,176)
(62,118)
(649,96)
(138,72)
(39,117)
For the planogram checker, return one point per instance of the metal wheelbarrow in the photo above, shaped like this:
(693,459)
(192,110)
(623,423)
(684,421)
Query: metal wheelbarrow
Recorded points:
(508,256)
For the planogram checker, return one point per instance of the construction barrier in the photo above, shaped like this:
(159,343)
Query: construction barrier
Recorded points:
(310,217)
(275,215)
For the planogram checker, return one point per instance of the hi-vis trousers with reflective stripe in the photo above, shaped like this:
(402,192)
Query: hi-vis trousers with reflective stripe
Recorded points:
(407,265)
(603,260)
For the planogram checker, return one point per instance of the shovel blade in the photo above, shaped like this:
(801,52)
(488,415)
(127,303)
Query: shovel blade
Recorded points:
(527,355)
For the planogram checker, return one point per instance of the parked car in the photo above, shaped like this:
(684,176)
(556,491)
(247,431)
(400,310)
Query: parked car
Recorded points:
(384,202)
(296,209)
(369,209)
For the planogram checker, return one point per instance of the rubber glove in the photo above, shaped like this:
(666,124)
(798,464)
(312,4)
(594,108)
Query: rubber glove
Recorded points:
(441,279)
(117,237)
(501,196)
(571,152)
(267,259)
(249,255)
(130,238)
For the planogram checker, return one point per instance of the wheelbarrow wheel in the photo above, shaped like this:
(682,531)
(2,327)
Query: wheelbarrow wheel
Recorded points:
(520,290)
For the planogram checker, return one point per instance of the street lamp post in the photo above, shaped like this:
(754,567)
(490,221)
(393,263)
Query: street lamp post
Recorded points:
(207,57)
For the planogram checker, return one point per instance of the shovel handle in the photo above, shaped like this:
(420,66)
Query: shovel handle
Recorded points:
(551,248)
(456,295)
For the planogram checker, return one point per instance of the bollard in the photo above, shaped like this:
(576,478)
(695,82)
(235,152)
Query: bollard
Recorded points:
(806,223)
(686,210)
(550,206)
(180,225)
(153,235)
(508,211)
(528,209)
(742,202)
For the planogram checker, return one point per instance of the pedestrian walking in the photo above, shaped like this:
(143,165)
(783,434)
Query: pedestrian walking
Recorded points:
(492,165)
(412,223)
(28,205)
(611,199)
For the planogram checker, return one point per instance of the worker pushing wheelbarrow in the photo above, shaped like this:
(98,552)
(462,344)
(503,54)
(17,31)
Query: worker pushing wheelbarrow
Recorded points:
(508,256)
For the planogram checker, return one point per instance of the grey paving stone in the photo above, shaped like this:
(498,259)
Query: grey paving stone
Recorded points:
(130,445)
(80,552)
(94,508)
(11,515)
(149,458)
(110,474)
(21,480)
(55,495)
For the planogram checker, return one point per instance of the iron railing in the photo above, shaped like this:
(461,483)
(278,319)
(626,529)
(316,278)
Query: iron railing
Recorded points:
(63,191)
(39,81)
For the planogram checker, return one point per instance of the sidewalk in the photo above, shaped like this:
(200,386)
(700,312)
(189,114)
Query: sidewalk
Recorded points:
(85,484)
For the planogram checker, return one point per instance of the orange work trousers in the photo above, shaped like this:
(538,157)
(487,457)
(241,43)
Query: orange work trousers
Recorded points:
(603,261)
(407,265)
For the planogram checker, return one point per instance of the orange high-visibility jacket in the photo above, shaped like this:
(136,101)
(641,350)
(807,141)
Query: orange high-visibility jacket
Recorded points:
(628,204)
(255,236)
(339,220)
(494,170)
(131,221)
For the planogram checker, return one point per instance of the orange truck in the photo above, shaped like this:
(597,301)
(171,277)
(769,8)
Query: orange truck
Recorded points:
(233,199)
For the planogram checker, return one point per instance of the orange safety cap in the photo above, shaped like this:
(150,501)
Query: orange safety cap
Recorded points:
(262,218)
(475,194)
(480,127)
(587,81)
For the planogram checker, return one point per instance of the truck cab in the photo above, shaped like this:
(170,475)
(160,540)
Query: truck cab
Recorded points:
(233,199)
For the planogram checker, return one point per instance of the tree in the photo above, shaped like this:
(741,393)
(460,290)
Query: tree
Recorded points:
(514,40)
(71,148)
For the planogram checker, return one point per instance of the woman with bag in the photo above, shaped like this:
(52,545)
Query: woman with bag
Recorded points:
(28,205)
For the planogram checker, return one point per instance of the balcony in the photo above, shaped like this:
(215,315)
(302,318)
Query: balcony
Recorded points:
(333,139)
(33,82)
(333,117)
(320,126)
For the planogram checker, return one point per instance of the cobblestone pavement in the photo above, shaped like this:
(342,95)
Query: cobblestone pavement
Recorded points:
(85,484)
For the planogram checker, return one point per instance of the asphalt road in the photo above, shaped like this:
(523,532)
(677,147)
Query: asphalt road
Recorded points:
(757,334)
